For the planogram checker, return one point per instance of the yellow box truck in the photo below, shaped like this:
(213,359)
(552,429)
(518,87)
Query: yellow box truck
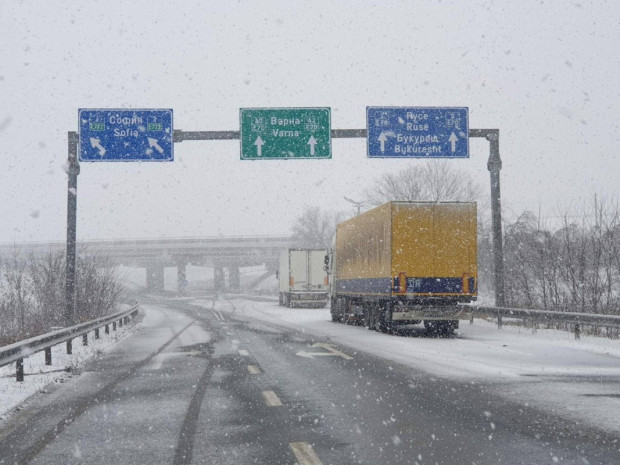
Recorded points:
(403,263)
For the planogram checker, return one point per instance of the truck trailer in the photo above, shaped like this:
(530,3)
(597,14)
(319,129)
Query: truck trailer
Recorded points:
(303,278)
(404,263)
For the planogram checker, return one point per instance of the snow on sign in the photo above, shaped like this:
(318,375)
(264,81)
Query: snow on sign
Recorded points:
(109,135)
(285,133)
(417,132)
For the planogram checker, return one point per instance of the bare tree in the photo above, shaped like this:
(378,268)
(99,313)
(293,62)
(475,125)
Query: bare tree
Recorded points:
(434,181)
(32,292)
(314,228)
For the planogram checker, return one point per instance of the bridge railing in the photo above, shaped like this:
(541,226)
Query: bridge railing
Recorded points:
(15,353)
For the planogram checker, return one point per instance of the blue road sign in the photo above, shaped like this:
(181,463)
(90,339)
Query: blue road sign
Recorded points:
(417,132)
(125,135)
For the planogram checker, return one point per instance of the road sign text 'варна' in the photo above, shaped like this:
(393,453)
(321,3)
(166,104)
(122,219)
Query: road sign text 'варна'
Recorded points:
(285,133)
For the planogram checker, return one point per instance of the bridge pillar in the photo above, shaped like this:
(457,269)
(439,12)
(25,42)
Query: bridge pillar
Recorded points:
(234,282)
(155,278)
(218,278)
(182,277)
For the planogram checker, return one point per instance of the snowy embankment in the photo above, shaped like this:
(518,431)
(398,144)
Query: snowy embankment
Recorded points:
(548,369)
(38,376)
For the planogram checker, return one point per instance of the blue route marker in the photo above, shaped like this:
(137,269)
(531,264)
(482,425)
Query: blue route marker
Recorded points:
(111,135)
(417,132)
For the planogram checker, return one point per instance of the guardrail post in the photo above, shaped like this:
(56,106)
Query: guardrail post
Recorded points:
(114,326)
(107,329)
(120,323)
(499,322)
(85,339)
(69,347)
(48,356)
(96,333)
(19,370)
(471,319)
(577,332)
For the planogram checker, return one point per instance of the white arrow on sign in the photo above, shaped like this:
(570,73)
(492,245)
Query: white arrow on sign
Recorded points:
(382,138)
(96,144)
(259,146)
(324,345)
(312,143)
(453,140)
(153,143)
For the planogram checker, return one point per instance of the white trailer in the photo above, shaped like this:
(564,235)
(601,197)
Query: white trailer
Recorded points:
(303,279)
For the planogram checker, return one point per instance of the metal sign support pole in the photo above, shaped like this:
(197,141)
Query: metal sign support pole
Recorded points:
(494,166)
(73,169)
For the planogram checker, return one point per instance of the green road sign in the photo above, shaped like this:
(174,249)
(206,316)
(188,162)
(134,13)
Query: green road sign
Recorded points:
(281,133)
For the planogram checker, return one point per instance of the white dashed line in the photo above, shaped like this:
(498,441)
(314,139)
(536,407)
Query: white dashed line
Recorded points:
(244,352)
(304,453)
(271,399)
(235,341)
(253,369)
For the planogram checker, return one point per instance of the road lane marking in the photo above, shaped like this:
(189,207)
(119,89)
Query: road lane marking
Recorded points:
(253,369)
(271,399)
(235,341)
(158,361)
(304,453)
(244,352)
(324,345)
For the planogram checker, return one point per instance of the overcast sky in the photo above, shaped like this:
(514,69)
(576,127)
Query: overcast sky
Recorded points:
(546,73)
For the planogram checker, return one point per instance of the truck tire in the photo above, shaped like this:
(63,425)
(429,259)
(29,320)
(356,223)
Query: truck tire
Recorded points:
(441,327)
(385,318)
(333,309)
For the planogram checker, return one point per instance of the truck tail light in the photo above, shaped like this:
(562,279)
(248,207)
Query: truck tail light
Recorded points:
(291,281)
(326,281)
(466,283)
(402,283)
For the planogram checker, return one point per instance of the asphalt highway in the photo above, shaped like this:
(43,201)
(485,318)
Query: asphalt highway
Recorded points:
(197,386)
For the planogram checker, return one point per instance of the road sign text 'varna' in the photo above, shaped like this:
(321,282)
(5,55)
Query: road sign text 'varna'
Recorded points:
(111,135)
(285,133)
(417,132)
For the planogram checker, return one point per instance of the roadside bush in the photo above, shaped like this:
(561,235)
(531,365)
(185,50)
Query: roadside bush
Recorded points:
(32,292)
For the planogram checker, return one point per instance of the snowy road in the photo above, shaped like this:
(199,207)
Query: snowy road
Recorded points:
(238,382)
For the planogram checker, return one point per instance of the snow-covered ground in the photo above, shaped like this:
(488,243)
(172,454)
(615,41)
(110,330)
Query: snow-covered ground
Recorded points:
(38,375)
(548,369)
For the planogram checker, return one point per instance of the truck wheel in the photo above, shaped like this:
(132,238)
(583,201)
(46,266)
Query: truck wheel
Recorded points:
(440,328)
(336,310)
(385,318)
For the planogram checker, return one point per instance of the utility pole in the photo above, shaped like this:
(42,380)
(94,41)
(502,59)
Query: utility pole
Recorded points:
(358,205)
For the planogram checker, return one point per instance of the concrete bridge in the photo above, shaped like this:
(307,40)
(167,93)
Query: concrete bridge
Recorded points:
(154,255)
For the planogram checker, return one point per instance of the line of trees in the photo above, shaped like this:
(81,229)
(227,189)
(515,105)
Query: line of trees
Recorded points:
(572,267)
(32,292)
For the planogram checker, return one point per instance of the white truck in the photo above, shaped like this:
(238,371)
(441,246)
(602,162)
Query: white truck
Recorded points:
(303,279)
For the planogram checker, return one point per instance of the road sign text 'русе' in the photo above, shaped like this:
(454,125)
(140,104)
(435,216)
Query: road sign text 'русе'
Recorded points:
(285,133)
(112,135)
(417,132)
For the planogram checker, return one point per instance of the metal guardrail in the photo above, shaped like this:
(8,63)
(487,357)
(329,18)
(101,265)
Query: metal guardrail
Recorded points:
(546,316)
(15,353)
